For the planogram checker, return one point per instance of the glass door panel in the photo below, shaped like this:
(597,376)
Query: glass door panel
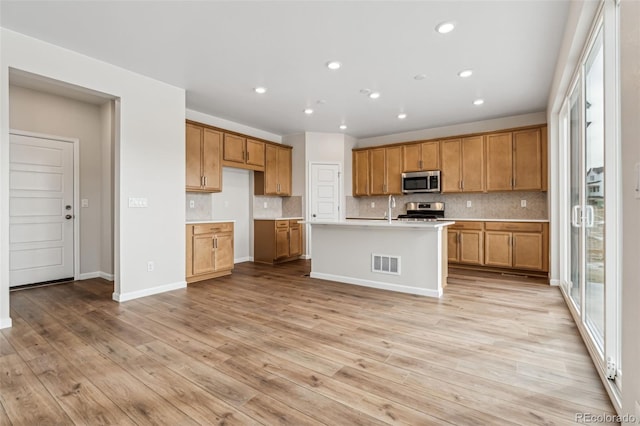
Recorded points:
(593,212)
(575,180)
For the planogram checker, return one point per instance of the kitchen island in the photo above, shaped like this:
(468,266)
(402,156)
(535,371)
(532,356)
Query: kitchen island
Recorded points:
(409,257)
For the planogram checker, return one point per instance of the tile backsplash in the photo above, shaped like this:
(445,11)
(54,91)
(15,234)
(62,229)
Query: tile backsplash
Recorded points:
(265,207)
(494,205)
(292,206)
(202,207)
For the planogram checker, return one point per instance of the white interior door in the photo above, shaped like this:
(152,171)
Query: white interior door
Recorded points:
(41,213)
(325,192)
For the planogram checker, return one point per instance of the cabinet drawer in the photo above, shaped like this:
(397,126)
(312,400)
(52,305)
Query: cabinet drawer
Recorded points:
(293,223)
(514,226)
(282,223)
(209,228)
(468,225)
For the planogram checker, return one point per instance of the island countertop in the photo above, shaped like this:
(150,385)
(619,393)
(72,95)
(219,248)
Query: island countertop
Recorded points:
(395,224)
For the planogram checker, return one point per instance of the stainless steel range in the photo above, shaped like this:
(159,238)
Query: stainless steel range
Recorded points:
(423,212)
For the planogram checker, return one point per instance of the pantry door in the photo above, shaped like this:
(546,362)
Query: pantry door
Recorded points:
(41,209)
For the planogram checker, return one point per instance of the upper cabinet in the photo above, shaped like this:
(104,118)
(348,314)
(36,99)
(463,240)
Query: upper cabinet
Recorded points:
(462,164)
(385,170)
(421,156)
(243,152)
(515,161)
(360,173)
(203,168)
(276,178)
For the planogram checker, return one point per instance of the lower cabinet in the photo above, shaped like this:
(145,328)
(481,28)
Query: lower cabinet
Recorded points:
(209,250)
(276,241)
(465,243)
(502,245)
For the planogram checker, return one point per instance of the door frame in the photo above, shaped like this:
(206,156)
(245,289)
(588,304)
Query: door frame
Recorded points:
(307,215)
(76,187)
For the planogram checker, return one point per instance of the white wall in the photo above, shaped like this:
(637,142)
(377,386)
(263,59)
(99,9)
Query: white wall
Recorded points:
(630,129)
(40,112)
(234,203)
(457,129)
(231,126)
(150,160)
(107,112)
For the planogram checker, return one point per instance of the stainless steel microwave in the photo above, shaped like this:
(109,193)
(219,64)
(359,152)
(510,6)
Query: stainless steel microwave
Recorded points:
(417,182)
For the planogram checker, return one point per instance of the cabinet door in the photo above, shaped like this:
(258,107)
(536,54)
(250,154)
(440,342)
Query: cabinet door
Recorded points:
(223,252)
(499,162)
(411,155)
(450,151)
(211,167)
(360,173)
(452,246)
(471,247)
(233,148)
(393,170)
(194,157)
(203,260)
(255,153)
(430,155)
(498,249)
(377,172)
(271,170)
(295,240)
(282,242)
(527,164)
(284,171)
(528,251)
(473,164)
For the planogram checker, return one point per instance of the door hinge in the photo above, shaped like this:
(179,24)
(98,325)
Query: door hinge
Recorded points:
(611,369)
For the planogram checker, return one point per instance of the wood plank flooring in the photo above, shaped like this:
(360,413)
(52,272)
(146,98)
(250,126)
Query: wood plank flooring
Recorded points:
(269,345)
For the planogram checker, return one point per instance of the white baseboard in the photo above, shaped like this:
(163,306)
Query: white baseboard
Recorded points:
(377,284)
(97,274)
(555,283)
(305,257)
(5,323)
(243,259)
(123,297)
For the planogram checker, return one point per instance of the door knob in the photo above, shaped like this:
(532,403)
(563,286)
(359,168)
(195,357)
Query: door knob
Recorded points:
(68,216)
(314,215)
(67,207)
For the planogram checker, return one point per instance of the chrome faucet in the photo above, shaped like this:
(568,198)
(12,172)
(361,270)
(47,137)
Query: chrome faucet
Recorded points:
(391,205)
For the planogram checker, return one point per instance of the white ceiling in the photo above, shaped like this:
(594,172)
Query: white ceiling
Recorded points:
(220,50)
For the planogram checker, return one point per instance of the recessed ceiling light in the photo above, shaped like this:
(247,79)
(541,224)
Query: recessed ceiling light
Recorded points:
(419,77)
(478,102)
(402,116)
(308,111)
(374,95)
(343,127)
(465,73)
(334,65)
(260,90)
(445,27)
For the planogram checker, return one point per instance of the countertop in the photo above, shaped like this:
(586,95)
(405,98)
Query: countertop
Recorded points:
(197,222)
(385,224)
(463,219)
(277,218)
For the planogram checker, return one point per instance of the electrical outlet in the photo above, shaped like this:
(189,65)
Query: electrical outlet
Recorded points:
(468,203)
(373,204)
(265,205)
(150,266)
(192,204)
(84,202)
(523,203)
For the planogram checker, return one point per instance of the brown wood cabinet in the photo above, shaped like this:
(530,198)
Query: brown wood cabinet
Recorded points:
(385,171)
(514,161)
(276,241)
(243,152)
(360,173)
(421,156)
(276,178)
(465,243)
(203,163)
(209,250)
(518,245)
(462,163)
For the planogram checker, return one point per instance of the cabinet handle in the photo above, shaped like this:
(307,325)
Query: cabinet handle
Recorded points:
(201,180)
(205,181)
(247,156)
(462,185)
(213,243)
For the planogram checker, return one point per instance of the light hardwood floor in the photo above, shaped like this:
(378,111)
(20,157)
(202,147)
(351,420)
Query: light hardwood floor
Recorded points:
(269,345)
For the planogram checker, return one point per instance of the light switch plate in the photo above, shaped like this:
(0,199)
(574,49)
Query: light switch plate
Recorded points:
(138,202)
(84,202)
(523,203)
